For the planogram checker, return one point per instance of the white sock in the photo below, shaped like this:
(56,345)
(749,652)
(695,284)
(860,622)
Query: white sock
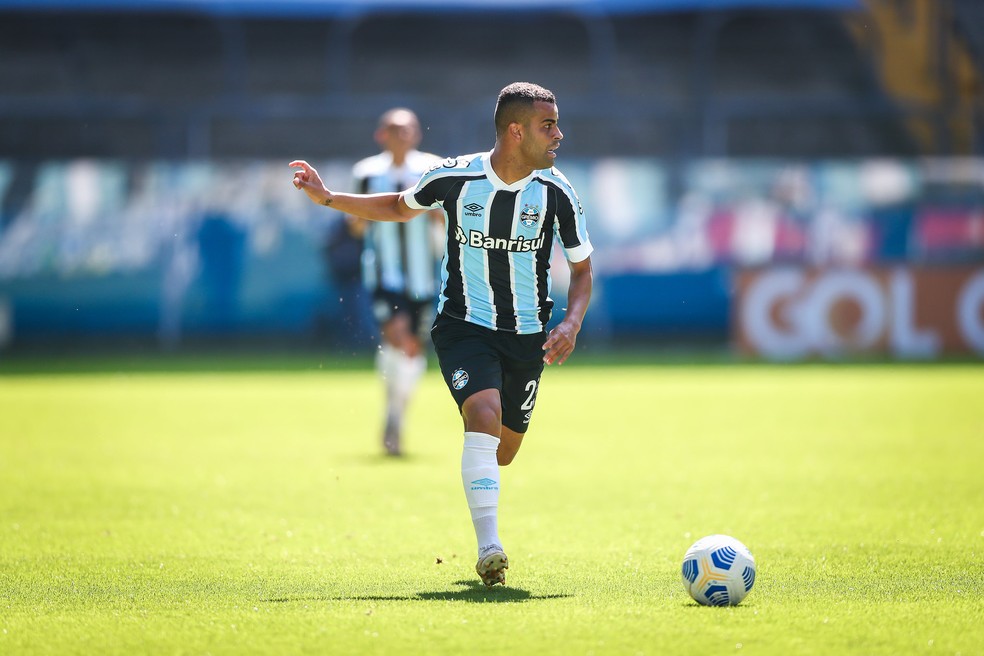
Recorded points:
(400,375)
(386,364)
(480,478)
(408,373)
(486,530)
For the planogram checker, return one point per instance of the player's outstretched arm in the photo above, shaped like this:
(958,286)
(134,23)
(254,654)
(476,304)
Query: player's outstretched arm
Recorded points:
(375,207)
(561,340)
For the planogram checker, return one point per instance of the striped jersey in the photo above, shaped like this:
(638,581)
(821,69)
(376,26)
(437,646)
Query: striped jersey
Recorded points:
(496,266)
(398,257)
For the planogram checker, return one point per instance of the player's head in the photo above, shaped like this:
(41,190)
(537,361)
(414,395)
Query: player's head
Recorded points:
(526,124)
(398,130)
(516,104)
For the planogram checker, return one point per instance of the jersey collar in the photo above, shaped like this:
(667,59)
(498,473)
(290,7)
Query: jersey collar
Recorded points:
(408,160)
(498,183)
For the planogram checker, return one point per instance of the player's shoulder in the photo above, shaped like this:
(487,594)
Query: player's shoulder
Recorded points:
(459,164)
(553,175)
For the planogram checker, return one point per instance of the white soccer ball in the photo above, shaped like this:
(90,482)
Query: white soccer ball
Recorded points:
(718,571)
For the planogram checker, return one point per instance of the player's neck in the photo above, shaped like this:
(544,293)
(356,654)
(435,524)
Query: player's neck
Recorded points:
(399,157)
(510,169)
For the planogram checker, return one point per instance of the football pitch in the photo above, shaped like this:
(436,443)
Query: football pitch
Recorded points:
(246,510)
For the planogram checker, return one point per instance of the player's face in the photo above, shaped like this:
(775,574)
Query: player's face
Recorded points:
(401,134)
(542,136)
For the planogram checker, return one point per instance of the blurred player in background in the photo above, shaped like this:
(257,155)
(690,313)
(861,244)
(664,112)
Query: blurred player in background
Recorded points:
(399,266)
(502,210)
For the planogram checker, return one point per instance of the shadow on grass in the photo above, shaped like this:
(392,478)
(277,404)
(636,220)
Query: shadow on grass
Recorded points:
(471,591)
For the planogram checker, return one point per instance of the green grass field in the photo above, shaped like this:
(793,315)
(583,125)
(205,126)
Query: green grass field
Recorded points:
(247,511)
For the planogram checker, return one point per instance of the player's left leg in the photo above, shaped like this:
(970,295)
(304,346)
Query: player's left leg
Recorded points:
(401,363)
(521,372)
(509,443)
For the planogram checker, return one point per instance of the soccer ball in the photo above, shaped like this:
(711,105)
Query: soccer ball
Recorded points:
(718,571)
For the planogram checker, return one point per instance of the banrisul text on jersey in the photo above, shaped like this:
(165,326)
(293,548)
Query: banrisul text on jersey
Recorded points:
(495,270)
(477,239)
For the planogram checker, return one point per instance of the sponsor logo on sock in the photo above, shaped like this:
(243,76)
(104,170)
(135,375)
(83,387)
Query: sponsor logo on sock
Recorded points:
(485,484)
(459,379)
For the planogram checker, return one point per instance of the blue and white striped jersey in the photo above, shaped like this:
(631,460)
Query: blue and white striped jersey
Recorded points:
(496,266)
(398,257)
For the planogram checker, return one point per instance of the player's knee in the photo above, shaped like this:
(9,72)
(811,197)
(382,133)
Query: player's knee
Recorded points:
(483,419)
(411,347)
(403,341)
(482,415)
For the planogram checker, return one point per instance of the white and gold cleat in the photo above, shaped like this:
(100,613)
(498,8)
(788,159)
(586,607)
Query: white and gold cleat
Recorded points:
(492,565)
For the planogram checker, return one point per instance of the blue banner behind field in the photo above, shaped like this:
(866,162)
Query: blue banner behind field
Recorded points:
(695,305)
(181,249)
(350,7)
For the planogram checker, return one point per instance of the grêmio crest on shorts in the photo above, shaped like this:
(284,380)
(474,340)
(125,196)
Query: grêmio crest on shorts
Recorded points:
(496,266)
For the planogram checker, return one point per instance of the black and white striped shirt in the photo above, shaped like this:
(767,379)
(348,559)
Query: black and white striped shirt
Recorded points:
(496,266)
(398,257)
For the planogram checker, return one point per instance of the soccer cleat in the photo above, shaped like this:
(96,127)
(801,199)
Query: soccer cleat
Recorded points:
(391,439)
(392,448)
(492,565)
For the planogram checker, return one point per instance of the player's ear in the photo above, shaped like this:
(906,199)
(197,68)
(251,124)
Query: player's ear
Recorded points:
(516,131)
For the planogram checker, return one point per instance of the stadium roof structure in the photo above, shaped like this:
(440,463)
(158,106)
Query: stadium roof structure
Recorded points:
(341,8)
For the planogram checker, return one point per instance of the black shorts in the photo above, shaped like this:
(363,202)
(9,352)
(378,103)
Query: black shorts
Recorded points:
(474,358)
(387,304)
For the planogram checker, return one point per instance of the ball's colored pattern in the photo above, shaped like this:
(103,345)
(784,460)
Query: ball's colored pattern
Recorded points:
(748,576)
(718,570)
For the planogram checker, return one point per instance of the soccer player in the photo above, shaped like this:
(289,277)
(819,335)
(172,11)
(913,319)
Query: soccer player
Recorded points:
(502,210)
(399,266)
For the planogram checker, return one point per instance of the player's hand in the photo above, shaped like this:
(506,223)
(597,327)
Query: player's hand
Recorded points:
(560,342)
(308,181)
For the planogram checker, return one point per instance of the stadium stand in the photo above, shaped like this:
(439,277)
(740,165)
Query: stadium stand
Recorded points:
(969,22)
(142,152)
(923,62)
(668,78)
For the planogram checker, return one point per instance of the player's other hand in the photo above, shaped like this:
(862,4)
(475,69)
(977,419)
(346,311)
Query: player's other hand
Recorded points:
(308,181)
(560,343)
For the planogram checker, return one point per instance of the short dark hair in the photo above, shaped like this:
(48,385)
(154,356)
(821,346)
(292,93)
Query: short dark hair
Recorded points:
(516,101)
(388,116)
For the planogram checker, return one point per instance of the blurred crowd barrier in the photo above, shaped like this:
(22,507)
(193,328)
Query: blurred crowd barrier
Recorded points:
(782,259)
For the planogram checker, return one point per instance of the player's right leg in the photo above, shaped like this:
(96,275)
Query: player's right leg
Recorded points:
(473,374)
(509,409)
(492,565)
(480,479)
